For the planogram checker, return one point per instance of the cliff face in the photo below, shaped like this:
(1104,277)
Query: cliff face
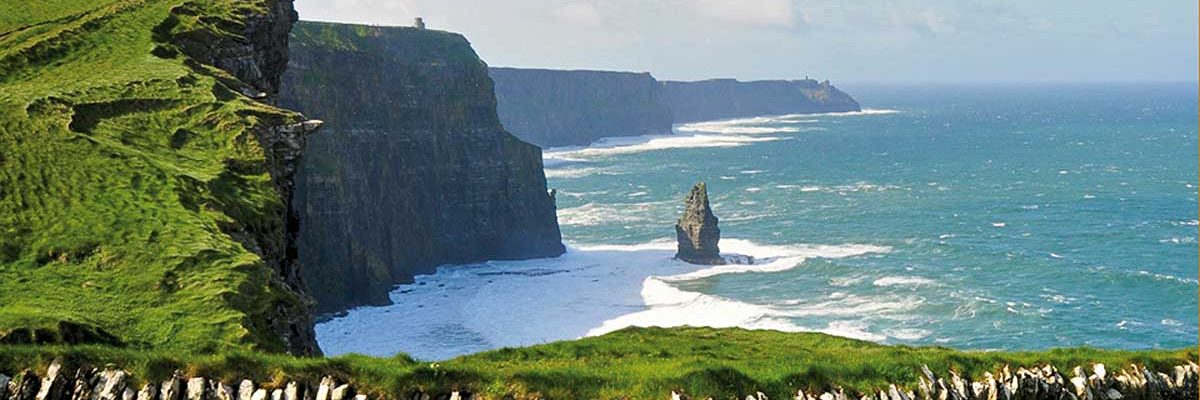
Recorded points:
(412,169)
(562,108)
(256,53)
(160,215)
(727,98)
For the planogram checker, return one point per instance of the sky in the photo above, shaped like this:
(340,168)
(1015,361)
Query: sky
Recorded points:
(868,41)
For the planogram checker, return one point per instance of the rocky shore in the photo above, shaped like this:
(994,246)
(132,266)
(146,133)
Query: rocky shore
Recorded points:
(60,382)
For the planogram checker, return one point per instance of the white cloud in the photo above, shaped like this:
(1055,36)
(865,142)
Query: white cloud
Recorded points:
(578,13)
(926,22)
(386,12)
(752,12)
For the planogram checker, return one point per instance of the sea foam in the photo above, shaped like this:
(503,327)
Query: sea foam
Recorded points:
(639,144)
(592,289)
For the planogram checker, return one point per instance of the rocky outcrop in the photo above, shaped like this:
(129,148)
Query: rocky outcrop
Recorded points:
(257,56)
(1043,383)
(697,231)
(412,169)
(86,382)
(728,98)
(61,382)
(569,108)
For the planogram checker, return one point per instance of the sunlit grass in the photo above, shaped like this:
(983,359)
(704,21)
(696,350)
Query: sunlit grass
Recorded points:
(643,363)
(122,174)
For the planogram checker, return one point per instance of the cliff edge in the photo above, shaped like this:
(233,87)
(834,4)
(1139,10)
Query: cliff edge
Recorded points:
(575,108)
(145,180)
(728,98)
(413,169)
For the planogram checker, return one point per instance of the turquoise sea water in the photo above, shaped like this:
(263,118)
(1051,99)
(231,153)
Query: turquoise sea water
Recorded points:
(975,217)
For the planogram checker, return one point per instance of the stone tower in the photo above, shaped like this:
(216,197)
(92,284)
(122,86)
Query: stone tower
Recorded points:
(419,23)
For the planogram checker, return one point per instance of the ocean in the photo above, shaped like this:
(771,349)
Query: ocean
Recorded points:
(980,217)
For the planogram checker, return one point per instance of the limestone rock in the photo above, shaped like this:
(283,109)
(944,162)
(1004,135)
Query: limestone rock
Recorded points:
(111,385)
(291,391)
(195,389)
(340,392)
(327,384)
(146,393)
(245,390)
(170,389)
(53,384)
(697,230)
(24,386)
(221,391)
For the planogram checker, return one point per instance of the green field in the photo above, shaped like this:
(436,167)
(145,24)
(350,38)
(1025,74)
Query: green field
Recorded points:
(643,363)
(126,170)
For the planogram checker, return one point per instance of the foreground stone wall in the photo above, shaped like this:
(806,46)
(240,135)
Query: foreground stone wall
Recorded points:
(1044,383)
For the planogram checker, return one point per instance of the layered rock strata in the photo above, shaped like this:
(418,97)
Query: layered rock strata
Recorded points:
(552,108)
(412,169)
(696,231)
(728,98)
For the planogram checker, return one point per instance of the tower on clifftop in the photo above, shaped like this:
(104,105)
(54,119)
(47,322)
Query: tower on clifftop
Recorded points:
(419,23)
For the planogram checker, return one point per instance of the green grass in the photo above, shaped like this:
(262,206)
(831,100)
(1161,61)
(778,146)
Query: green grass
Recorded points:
(122,174)
(643,363)
(413,43)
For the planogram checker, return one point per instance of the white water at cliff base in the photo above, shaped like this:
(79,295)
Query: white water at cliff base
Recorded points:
(590,290)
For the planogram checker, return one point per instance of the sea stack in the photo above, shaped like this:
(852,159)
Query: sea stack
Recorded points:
(697,230)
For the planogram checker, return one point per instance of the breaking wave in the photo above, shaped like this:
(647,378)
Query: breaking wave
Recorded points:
(590,290)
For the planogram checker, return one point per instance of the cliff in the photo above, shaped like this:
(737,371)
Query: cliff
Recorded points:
(145,183)
(728,98)
(412,169)
(564,108)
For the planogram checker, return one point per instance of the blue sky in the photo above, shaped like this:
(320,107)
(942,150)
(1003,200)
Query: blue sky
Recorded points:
(849,42)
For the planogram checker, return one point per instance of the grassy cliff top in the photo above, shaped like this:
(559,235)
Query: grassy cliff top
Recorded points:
(643,363)
(405,44)
(124,167)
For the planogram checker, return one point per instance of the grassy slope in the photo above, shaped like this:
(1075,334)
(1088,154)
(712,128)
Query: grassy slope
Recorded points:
(118,172)
(638,363)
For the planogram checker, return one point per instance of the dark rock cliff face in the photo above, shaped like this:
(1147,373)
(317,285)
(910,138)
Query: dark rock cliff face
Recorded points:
(563,108)
(697,231)
(412,169)
(727,98)
(258,56)
(256,53)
